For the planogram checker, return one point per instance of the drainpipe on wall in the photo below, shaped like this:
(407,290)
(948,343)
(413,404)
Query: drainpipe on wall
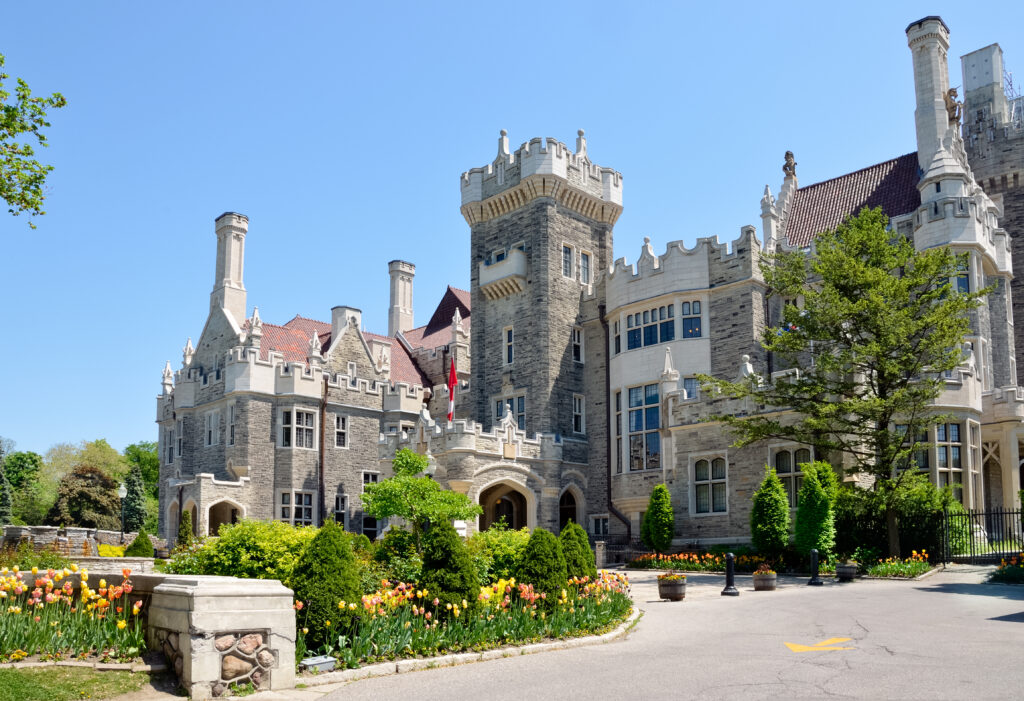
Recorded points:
(608,393)
(321,467)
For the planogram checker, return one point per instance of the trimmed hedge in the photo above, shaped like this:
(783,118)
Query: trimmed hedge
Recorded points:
(543,564)
(659,521)
(579,558)
(325,575)
(769,516)
(815,521)
(142,546)
(448,571)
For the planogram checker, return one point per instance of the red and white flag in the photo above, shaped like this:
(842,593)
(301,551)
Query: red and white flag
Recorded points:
(452,384)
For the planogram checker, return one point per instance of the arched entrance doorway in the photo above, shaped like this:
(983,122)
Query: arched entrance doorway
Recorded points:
(172,522)
(222,513)
(503,501)
(567,510)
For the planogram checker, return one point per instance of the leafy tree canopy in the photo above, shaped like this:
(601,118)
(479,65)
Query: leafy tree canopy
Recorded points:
(22,120)
(88,498)
(879,325)
(145,456)
(22,467)
(420,501)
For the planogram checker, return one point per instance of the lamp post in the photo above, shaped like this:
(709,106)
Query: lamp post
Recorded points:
(122,492)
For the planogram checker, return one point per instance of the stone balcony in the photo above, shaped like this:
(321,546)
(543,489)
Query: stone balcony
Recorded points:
(504,277)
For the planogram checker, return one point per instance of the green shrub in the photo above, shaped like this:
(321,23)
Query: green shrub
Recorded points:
(497,551)
(325,575)
(579,558)
(396,558)
(249,549)
(185,533)
(448,571)
(142,546)
(659,521)
(543,565)
(815,522)
(134,505)
(26,557)
(6,500)
(769,516)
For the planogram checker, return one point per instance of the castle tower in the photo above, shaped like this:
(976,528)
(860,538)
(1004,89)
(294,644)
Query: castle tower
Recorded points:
(400,310)
(228,290)
(993,134)
(929,44)
(541,223)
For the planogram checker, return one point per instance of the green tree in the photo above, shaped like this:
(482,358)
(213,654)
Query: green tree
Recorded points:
(142,546)
(5,497)
(769,516)
(22,467)
(419,500)
(100,454)
(144,455)
(87,498)
(325,575)
(448,572)
(23,119)
(135,501)
(879,327)
(658,525)
(815,520)
(579,558)
(543,564)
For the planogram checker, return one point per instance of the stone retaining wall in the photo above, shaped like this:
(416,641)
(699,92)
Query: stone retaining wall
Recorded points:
(69,541)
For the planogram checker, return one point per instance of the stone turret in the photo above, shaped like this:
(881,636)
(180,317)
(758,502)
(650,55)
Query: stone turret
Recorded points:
(400,317)
(228,290)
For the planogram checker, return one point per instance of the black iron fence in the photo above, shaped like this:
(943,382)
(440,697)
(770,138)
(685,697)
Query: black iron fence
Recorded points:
(618,549)
(982,537)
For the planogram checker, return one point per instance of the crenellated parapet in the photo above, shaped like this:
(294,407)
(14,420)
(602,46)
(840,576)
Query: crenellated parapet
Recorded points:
(541,168)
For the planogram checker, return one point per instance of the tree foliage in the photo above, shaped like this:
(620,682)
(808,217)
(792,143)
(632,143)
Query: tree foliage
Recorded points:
(87,498)
(6,501)
(326,574)
(186,532)
(144,455)
(658,525)
(142,546)
(22,120)
(879,326)
(498,551)
(815,519)
(135,501)
(769,516)
(420,501)
(579,558)
(22,467)
(543,564)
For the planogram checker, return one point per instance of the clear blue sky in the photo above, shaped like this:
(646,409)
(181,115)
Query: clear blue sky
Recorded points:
(341,129)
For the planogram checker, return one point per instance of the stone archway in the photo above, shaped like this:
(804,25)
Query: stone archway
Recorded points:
(222,513)
(192,507)
(568,509)
(504,500)
(171,529)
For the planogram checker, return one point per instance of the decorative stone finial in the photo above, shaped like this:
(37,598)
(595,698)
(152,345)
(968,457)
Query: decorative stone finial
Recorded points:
(789,167)
(187,352)
(168,379)
(581,144)
(314,342)
(457,320)
(669,374)
(257,322)
(747,370)
(647,240)
(503,144)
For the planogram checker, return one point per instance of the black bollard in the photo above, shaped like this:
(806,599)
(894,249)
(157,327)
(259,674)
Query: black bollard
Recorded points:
(815,579)
(730,576)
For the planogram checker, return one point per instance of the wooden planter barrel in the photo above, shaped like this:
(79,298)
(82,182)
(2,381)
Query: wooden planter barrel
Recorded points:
(764,582)
(846,572)
(673,590)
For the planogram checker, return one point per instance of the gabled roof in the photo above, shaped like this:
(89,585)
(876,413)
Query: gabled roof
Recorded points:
(437,332)
(403,367)
(891,185)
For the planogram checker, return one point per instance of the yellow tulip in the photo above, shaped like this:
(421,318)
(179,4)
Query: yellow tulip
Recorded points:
(122,624)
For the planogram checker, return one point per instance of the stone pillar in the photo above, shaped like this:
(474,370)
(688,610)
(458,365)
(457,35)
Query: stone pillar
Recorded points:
(228,287)
(599,555)
(1009,462)
(220,629)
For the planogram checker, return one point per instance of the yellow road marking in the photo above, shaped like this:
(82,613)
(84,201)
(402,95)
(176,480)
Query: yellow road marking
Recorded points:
(823,645)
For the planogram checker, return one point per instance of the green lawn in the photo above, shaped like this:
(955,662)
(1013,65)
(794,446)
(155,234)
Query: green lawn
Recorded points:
(66,684)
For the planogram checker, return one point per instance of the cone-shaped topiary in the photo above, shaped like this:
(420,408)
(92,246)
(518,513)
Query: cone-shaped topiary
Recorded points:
(769,516)
(135,501)
(185,535)
(448,572)
(543,564)
(142,546)
(579,558)
(325,575)
(659,521)
(815,520)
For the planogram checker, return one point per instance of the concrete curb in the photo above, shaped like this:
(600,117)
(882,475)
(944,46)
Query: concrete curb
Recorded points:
(98,666)
(417,664)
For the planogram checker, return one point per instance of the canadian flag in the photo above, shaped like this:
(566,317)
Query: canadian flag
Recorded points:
(452,384)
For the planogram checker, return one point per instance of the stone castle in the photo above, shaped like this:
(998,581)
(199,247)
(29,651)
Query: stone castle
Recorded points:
(576,389)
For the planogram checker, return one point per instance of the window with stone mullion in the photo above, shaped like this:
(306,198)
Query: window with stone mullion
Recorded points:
(644,425)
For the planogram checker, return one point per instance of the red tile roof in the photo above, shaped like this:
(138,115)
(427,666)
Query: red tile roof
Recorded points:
(891,185)
(437,332)
(403,367)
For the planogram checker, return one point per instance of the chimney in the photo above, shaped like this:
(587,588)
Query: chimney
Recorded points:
(341,319)
(400,311)
(929,44)
(228,291)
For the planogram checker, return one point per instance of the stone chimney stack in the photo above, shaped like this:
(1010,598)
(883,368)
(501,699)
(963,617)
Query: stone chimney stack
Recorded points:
(400,311)
(228,291)
(929,44)
(341,318)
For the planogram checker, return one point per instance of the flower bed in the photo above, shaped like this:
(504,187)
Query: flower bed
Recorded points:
(914,566)
(402,621)
(42,615)
(1010,571)
(694,562)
